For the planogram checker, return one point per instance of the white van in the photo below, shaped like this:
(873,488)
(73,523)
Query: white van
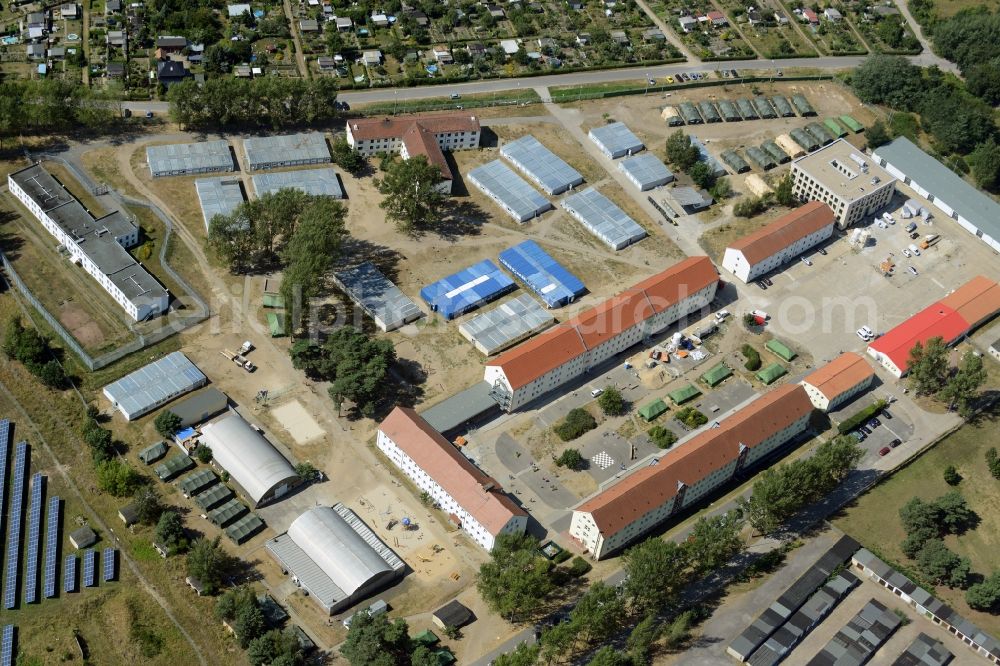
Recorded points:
(914,249)
(377,608)
(596,392)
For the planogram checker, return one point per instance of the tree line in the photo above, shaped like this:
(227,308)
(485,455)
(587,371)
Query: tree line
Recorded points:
(35,352)
(931,374)
(270,102)
(43,106)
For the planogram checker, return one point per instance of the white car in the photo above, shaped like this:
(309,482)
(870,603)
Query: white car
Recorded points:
(596,392)
(861,334)
(913,270)
(806,261)
(865,333)
(906,253)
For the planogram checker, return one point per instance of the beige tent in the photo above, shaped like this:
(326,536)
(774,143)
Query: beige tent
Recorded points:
(787,144)
(756,185)
(668,113)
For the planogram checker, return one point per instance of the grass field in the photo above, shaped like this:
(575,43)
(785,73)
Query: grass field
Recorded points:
(948,8)
(715,241)
(505,99)
(874,518)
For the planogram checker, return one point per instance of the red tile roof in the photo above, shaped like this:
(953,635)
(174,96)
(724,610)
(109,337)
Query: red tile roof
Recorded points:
(839,375)
(561,344)
(390,128)
(976,301)
(421,141)
(711,450)
(476,492)
(784,231)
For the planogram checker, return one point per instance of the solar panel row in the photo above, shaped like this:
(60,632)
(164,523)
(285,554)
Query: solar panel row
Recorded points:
(52,546)
(5,434)
(109,559)
(21,455)
(90,568)
(69,574)
(34,539)
(7,645)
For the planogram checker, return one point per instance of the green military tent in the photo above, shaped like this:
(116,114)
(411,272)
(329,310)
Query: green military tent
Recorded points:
(427,638)
(716,375)
(276,323)
(682,395)
(780,349)
(213,497)
(771,373)
(151,454)
(652,410)
(835,127)
(244,528)
(173,466)
(852,124)
(227,513)
(195,482)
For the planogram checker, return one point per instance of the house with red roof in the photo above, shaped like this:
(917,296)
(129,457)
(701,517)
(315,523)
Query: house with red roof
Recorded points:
(838,381)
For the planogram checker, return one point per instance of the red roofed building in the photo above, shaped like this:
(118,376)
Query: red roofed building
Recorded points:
(717,18)
(691,471)
(838,381)
(472,499)
(418,135)
(950,318)
(568,350)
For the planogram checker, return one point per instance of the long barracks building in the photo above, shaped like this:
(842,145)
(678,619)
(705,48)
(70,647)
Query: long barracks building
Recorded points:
(568,350)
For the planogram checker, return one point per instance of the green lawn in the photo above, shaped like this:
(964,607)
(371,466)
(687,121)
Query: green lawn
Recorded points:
(874,519)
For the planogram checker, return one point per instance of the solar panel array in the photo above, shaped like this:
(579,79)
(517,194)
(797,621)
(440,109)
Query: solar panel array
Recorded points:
(5,433)
(7,645)
(110,561)
(21,459)
(69,574)
(541,165)
(89,568)
(52,546)
(34,539)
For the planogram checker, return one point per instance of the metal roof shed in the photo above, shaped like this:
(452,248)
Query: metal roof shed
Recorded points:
(182,159)
(603,218)
(645,171)
(735,162)
(690,113)
(467,289)
(805,139)
(543,274)
(461,409)
(218,196)
(683,394)
(152,453)
(772,149)
(803,106)
(852,124)
(172,467)
(709,112)
(201,406)
(155,384)
(716,375)
(784,109)
(763,107)
(653,409)
(771,373)
(615,140)
(244,528)
(511,192)
(728,111)
(761,158)
(506,325)
(318,182)
(272,152)
(780,349)
(746,109)
(380,299)
(227,513)
(541,165)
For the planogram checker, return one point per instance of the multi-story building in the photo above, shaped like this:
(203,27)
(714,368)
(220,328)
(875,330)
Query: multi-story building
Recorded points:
(472,499)
(850,183)
(568,350)
(838,381)
(98,245)
(614,518)
(779,242)
(426,135)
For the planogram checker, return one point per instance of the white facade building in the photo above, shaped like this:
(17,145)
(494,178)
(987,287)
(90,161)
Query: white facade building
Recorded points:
(98,245)
(779,242)
(852,184)
(838,381)
(568,350)
(471,498)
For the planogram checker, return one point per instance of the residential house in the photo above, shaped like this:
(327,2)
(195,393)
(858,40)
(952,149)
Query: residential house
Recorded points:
(653,35)
(168,45)
(754,17)
(380,20)
(583,39)
(832,14)
(576,5)
(115,70)
(308,25)
(475,49)
(495,11)
(344,23)
(242,71)
(113,7)
(36,51)
(547,43)
(619,37)
(196,53)
(169,72)
(809,16)
(418,17)
(510,46)
(442,55)
(57,53)
(687,23)
(371,57)
(326,64)
(116,38)
(718,19)
(238,10)
(70,11)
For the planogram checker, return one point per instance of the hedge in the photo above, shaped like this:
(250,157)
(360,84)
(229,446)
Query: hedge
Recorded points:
(861,417)
(579,567)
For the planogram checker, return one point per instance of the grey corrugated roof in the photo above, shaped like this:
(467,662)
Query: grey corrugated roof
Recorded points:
(303,148)
(318,182)
(378,296)
(218,196)
(647,170)
(513,193)
(541,164)
(946,186)
(200,406)
(154,384)
(616,139)
(189,157)
(459,408)
(506,324)
(603,218)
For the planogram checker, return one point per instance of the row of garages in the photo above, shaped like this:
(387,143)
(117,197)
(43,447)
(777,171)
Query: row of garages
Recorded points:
(755,108)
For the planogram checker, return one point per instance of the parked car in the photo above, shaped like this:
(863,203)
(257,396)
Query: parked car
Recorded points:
(670,79)
(884,450)
(596,392)
(915,235)
(733,73)
(887,414)
(821,251)
(865,429)
(806,261)
(912,270)
(906,253)
(760,283)
(456,96)
(896,442)
(768,282)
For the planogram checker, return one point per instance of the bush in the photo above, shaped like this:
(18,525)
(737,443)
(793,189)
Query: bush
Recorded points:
(562,556)
(570,459)
(749,206)
(752,358)
(661,437)
(861,417)
(691,417)
(579,567)
(951,476)
(167,423)
(577,422)
(611,402)
(203,454)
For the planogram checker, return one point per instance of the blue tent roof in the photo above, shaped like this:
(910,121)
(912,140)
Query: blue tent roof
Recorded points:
(543,274)
(467,289)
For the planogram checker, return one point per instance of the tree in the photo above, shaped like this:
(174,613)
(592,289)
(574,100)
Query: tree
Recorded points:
(714,541)
(942,566)
(148,506)
(170,531)
(117,477)
(598,613)
(985,163)
(608,656)
(951,476)
(835,460)
(229,604)
(679,630)
(611,402)
(702,175)
(274,646)
(306,471)
(523,655)
(377,641)
(783,194)
(656,571)
(891,80)
(680,152)
(570,459)
(209,563)
(954,513)
(993,462)
(722,189)
(985,596)
(313,246)
(963,386)
(928,366)
(983,81)
(346,157)
(203,454)
(50,373)
(517,578)
(249,624)
(411,198)
(232,239)
(918,515)
(957,121)
(641,639)
(576,422)
(877,135)
(167,423)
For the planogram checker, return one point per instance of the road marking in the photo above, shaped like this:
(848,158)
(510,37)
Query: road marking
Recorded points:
(938,283)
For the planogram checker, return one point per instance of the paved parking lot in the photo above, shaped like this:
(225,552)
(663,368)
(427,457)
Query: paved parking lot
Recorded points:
(898,427)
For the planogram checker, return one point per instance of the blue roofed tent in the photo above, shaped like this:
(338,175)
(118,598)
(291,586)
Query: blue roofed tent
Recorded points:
(467,289)
(543,274)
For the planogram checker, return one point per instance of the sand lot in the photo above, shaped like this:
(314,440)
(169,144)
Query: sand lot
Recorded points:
(296,420)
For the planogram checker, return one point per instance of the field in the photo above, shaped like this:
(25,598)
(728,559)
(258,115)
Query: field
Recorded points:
(947,8)
(874,520)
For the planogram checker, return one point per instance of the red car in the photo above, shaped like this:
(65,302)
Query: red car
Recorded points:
(884,450)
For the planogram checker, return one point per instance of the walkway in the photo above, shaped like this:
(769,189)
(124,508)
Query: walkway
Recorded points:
(932,57)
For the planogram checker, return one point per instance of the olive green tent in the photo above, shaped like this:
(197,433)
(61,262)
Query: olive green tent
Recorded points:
(682,395)
(276,323)
(716,375)
(274,301)
(213,497)
(778,348)
(853,124)
(426,638)
(652,410)
(151,454)
(195,482)
(227,513)
(244,528)
(173,466)
(771,373)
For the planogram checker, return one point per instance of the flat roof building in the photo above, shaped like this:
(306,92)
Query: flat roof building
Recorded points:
(380,299)
(506,325)
(541,165)
(333,555)
(253,464)
(473,500)
(467,289)
(153,385)
(690,472)
(317,182)
(572,348)
(272,152)
(185,159)
(603,218)
(201,406)
(96,244)
(511,192)
(615,140)
(838,381)
(543,274)
(975,211)
(218,196)
(646,171)
(779,242)
(852,184)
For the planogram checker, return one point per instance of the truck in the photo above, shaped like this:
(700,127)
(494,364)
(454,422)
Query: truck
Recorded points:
(760,314)
(929,240)
(244,362)
(246,347)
